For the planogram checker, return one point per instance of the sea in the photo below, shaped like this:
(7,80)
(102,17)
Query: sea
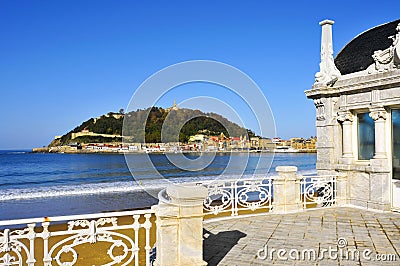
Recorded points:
(50,184)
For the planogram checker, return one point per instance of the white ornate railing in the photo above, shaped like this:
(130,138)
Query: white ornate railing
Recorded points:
(237,195)
(59,240)
(318,191)
(255,194)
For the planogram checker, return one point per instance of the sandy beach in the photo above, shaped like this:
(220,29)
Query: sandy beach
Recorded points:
(96,253)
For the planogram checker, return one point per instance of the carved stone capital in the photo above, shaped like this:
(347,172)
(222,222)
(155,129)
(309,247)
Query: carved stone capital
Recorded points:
(320,109)
(378,114)
(345,116)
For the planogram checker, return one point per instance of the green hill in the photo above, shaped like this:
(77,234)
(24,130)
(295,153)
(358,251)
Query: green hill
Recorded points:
(190,122)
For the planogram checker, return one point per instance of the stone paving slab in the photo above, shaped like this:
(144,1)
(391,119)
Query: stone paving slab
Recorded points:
(363,237)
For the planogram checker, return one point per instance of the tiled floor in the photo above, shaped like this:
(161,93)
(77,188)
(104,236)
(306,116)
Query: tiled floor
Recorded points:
(362,234)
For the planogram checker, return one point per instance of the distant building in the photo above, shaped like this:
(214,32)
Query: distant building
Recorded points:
(311,143)
(276,140)
(174,107)
(197,138)
(75,146)
(266,144)
(255,143)
(115,115)
(86,132)
(297,143)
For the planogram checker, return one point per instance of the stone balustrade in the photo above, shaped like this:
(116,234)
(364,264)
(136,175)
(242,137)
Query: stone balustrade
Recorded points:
(178,217)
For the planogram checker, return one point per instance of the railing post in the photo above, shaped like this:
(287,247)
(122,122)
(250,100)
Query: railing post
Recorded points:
(287,189)
(180,226)
(46,236)
(234,198)
(31,236)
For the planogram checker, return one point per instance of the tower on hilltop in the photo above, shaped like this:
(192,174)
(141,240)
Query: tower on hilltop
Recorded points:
(174,107)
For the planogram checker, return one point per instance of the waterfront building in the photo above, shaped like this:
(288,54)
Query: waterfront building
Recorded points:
(357,100)
(266,144)
(297,143)
(303,144)
(255,143)
(310,144)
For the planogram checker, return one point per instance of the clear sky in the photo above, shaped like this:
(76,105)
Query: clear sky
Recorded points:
(62,62)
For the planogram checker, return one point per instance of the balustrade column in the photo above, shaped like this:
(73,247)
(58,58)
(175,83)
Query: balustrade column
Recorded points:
(287,190)
(379,116)
(180,226)
(346,118)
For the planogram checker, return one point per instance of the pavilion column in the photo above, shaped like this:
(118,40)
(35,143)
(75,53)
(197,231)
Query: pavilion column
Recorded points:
(379,116)
(346,118)
(380,176)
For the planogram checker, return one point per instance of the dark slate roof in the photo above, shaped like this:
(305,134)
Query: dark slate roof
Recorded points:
(357,54)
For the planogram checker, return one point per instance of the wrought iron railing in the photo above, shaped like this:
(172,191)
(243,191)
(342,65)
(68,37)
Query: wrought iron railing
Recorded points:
(233,196)
(318,191)
(122,238)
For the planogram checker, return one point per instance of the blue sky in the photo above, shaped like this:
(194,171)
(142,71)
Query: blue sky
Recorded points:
(62,62)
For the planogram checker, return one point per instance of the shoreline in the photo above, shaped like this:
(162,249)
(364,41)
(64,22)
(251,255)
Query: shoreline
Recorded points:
(62,150)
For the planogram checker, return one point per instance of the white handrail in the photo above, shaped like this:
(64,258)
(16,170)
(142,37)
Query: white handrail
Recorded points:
(74,217)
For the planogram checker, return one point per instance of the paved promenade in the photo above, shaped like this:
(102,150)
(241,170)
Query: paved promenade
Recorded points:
(365,237)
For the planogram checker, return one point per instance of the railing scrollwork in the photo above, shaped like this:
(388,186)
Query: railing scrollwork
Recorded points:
(236,195)
(318,191)
(121,239)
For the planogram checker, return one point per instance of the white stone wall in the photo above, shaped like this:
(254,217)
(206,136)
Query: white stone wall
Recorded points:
(338,102)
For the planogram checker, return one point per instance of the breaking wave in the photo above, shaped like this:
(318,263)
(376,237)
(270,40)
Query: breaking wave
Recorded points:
(111,187)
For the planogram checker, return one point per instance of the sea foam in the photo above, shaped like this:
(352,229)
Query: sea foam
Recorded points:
(115,187)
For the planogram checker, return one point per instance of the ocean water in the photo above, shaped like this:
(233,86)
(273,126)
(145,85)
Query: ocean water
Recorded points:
(39,185)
